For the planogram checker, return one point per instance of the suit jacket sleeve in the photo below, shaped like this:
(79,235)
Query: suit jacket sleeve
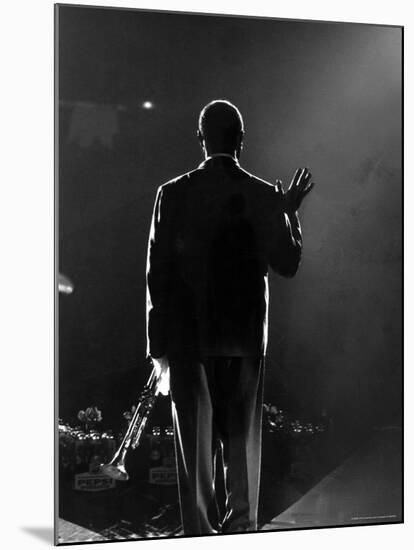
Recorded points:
(158,275)
(285,242)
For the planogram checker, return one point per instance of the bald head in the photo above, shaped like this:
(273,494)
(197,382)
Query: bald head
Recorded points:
(221,128)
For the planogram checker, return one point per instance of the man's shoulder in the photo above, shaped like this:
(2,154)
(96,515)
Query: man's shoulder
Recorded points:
(255,180)
(183,180)
(178,181)
(261,187)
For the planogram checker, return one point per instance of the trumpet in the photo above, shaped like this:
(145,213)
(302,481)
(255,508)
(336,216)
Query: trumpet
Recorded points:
(116,468)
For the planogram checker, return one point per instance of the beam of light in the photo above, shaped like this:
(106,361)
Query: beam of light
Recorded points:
(148,105)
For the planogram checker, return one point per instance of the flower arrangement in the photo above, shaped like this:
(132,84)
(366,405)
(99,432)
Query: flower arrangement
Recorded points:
(90,417)
(129,414)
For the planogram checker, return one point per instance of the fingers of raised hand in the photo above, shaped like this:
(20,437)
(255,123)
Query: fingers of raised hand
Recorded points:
(296,177)
(300,186)
(304,178)
(308,188)
(300,179)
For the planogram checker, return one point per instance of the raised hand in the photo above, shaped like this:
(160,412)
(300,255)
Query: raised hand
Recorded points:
(299,187)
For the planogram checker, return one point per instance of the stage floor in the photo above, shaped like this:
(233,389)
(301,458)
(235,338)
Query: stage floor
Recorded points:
(365,489)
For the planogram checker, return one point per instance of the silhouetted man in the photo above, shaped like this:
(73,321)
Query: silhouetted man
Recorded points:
(214,233)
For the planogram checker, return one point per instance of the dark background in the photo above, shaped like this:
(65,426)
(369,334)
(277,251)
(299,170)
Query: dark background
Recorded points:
(322,95)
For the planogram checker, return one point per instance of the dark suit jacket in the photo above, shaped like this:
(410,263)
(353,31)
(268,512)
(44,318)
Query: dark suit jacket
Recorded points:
(214,233)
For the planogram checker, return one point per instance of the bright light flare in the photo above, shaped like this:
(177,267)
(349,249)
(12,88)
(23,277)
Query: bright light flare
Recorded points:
(148,105)
(65,285)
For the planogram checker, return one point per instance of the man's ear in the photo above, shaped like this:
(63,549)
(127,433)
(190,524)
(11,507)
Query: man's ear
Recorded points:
(200,137)
(239,147)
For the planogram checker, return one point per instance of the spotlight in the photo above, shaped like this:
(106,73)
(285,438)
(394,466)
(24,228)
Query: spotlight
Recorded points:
(148,105)
(65,285)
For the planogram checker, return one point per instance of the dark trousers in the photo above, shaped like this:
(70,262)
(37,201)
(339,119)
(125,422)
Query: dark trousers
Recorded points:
(217,405)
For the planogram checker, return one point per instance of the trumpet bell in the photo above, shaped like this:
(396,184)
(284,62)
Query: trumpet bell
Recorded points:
(116,468)
(115,471)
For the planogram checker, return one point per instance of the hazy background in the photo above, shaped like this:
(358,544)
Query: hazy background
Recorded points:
(326,96)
